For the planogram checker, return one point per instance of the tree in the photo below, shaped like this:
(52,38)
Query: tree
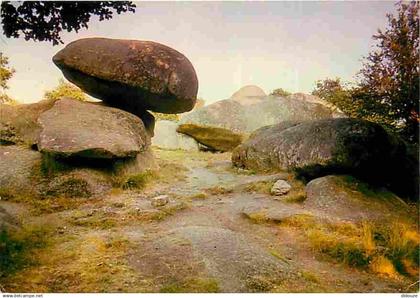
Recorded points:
(65,89)
(280,92)
(6,73)
(45,20)
(388,85)
(337,93)
(387,89)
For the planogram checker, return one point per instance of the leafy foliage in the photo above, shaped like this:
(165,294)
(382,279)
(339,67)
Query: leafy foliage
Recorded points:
(387,91)
(389,79)
(6,73)
(65,89)
(337,93)
(45,20)
(280,92)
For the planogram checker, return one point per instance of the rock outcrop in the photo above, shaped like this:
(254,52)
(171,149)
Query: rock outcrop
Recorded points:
(317,148)
(346,198)
(226,114)
(18,123)
(19,170)
(167,137)
(257,112)
(248,95)
(131,74)
(74,128)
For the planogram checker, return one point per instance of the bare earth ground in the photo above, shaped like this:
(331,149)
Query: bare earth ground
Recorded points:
(211,237)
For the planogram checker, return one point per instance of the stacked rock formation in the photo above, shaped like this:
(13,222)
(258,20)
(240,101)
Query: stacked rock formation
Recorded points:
(223,125)
(80,146)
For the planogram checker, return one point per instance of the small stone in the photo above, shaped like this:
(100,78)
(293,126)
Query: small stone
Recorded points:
(160,201)
(281,187)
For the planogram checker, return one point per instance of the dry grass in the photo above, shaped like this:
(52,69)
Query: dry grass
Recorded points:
(385,249)
(40,206)
(197,196)
(259,187)
(96,219)
(218,190)
(86,263)
(257,217)
(157,215)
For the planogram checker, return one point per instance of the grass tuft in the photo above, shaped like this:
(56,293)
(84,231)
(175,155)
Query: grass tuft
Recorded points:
(195,285)
(385,249)
(16,247)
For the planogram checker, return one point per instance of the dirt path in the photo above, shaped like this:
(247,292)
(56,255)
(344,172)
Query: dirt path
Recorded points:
(200,241)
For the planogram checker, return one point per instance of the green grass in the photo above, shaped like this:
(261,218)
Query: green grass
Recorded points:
(135,181)
(16,247)
(194,285)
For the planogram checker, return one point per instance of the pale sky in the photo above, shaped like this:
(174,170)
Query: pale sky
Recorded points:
(285,44)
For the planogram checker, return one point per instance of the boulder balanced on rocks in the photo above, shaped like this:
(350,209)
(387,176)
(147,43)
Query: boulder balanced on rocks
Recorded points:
(130,74)
(74,128)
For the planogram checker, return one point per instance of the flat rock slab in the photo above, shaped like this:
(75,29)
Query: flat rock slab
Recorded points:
(131,73)
(215,138)
(274,214)
(346,198)
(222,254)
(74,128)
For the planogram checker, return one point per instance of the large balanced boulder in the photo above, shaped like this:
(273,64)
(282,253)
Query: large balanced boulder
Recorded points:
(215,138)
(18,123)
(317,148)
(131,74)
(75,128)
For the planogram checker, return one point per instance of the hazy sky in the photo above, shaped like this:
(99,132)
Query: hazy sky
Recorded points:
(231,44)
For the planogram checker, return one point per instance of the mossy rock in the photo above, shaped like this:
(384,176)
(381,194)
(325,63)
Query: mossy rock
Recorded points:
(332,146)
(27,174)
(215,138)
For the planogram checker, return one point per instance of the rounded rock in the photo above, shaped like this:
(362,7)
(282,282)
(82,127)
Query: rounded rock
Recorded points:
(131,74)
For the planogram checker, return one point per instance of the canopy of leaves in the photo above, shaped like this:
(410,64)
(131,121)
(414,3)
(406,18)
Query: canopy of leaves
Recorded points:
(45,20)
(389,79)
(280,92)
(387,91)
(6,72)
(65,89)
